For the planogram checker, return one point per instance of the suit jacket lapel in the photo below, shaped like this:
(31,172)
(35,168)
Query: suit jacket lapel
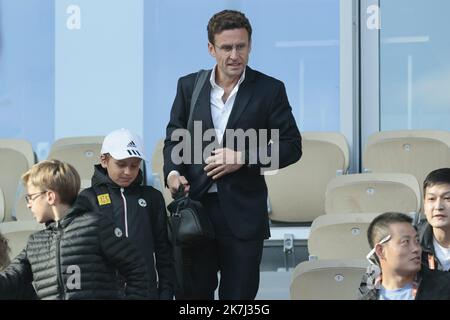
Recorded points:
(244,94)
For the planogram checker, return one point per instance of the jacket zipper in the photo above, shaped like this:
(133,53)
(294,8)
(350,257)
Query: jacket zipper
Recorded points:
(58,260)
(125,211)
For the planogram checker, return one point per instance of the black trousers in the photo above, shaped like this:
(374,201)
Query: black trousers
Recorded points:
(237,260)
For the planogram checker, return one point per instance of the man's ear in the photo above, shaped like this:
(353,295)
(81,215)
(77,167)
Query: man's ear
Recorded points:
(211,49)
(104,160)
(379,251)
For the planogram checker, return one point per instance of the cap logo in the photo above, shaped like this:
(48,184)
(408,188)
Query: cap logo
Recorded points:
(133,153)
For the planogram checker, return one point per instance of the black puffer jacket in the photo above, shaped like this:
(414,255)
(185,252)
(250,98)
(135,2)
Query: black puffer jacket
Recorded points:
(139,211)
(76,258)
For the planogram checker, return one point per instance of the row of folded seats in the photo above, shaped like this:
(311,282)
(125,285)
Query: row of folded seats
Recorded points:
(316,189)
(395,165)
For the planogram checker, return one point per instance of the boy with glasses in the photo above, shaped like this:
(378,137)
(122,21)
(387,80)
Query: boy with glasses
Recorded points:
(78,254)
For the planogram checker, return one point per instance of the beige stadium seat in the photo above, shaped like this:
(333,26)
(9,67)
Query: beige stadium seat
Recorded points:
(327,279)
(21,211)
(158,174)
(297,192)
(340,236)
(373,192)
(17,233)
(409,151)
(16,157)
(81,152)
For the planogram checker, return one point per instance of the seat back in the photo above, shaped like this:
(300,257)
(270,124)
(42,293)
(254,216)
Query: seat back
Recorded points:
(17,233)
(158,173)
(327,279)
(297,192)
(81,152)
(16,157)
(21,211)
(340,236)
(416,152)
(373,192)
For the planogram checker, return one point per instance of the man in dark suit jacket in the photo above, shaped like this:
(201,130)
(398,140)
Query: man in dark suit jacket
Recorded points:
(228,179)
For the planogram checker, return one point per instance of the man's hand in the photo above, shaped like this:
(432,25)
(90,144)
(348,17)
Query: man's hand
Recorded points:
(222,162)
(174,181)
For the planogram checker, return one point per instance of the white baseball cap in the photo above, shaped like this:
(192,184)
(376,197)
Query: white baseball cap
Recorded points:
(122,144)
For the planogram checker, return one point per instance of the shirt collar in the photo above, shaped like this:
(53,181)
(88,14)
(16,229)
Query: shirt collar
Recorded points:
(212,78)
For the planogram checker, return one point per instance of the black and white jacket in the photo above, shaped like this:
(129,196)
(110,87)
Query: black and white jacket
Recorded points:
(139,211)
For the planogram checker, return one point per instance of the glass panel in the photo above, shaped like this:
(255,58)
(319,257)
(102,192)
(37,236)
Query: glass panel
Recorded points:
(414,64)
(296,41)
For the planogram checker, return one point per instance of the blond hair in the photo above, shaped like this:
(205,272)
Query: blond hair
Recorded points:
(57,176)
(4,252)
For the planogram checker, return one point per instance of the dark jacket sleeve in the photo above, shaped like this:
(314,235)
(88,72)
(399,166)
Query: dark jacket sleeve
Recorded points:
(125,257)
(288,144)
(163,249)
(15,280)
(179,115)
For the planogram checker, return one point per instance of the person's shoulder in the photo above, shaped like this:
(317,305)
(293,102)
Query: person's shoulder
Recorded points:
(87,192)
(259,76)
(425,231)
(189,77)
(89,214)
(435,277)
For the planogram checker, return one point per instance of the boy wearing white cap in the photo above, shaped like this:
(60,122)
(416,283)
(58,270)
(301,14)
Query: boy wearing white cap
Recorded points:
(138,210)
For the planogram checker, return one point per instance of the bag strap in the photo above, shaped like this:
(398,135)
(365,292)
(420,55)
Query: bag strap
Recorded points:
(198,85)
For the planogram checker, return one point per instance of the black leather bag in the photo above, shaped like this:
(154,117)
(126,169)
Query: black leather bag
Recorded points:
(188,222)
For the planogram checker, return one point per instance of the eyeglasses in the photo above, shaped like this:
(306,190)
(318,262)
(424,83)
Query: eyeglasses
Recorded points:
(240,48)
(29,197)
(372,252)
